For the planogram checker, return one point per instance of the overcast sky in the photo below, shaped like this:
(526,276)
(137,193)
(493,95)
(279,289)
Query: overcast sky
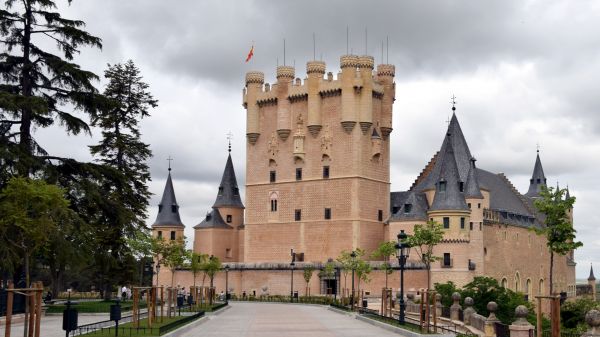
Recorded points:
(523,72)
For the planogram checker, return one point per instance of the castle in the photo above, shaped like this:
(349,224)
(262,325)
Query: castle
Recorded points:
(318,182)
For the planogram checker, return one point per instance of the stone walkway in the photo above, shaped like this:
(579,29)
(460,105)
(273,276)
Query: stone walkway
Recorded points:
(52,325)
(290,320)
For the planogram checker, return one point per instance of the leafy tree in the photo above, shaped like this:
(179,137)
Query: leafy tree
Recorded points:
(346,265)
(424,239)
(210,268)
(30,212)
(38,85)
(362,268)
(446,290)
(122,151)
(558,230)
(385,250)
(572,313)
(196,262)
(485,289)
(308,273)
(173,256)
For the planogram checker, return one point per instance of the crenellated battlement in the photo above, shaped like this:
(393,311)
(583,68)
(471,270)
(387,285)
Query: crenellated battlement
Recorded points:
(357,83)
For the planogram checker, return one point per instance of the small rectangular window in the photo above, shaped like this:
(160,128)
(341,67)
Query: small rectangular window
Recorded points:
(395,209)
(229,218)
(220,191)
(407,208)
(274,205)
(478,205)
(461,186)
(172,235)
(327,213)
(325,172)
(447,260)
(446,222)
(379,215)
(228,253)
(160,234)
(462,223)
(480,225)
(298,215)
(173,208)
(272,176)
(469,204)
(299,173)
(471,225)
(236,191)
(442,186)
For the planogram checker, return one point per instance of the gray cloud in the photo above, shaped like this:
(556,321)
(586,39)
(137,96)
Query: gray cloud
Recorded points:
(524,73)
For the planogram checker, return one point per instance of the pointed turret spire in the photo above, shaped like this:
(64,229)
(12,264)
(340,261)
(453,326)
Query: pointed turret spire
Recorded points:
(538,179)
(591,277)
(568,194)
(449,187)
(472,189)
(168,209)
(229,193)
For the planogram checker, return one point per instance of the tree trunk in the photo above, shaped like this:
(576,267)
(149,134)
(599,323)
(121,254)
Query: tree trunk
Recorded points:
(551,272)
(428,276)
(26,115)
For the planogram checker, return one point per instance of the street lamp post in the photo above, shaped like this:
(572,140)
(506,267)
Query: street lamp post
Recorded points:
(227,284)
(353,256)
(292,264)
(402,251)
(335,277)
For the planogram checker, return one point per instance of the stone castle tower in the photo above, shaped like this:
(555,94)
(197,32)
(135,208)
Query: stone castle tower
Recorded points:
(168,223)
(318,160)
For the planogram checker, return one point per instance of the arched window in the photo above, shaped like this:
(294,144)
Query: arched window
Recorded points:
(517,282)
(273,198)
(528,289)
(504,282)
(541,289)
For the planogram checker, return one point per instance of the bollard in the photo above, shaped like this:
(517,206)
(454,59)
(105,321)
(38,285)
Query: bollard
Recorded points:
(521,327)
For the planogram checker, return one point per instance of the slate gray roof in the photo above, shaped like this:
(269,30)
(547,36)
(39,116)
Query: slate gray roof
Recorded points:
(462,155)
(538,179)
(418,208)
(168,210)
(591,277)
(451,198)
(472,189)
(213,219)
(229,193)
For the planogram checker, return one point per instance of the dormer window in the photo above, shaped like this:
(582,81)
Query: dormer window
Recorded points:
(539,180)
(159,208)
(208,217)
(174,208)
(395,209)
(236,191)
(442,186)
(461,186)
(221,191)
(531,181)
(407,208)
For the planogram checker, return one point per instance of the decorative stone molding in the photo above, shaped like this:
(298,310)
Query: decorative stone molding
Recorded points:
(365,126)
(348,126)
(386,70)
(273,146)
(284,133)
(468,311)
(285,72)
(314,129)
(385,132)
(592,318)
(348,61)
(255,77)
(455,307)
(316,67)
(326,141)
(252,137)
(366,61)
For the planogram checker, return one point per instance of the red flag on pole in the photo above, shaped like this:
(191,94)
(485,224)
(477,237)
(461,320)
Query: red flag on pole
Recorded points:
(250,54)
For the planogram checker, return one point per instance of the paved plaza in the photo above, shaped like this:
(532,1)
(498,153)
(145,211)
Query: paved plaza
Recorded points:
(290,320)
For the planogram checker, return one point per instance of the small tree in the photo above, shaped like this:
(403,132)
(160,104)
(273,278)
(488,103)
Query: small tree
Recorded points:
(196,261)
(308,273)
(211,267)
(30,211)
(424,239)
(558,230)
(174,256)
(385,250)
(345,261)
(362,268)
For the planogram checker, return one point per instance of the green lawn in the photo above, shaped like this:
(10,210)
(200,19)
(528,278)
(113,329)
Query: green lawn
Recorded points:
(142,331)
(94,306)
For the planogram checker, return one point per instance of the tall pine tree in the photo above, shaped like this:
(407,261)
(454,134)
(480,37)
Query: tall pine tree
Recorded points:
(122,150)
(39,86)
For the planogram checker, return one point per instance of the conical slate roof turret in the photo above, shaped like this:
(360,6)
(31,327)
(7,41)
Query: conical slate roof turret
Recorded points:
(472,189)
(462,155)
(591,277)
(168,209)
(448,194)
(538,179)
(229,193)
